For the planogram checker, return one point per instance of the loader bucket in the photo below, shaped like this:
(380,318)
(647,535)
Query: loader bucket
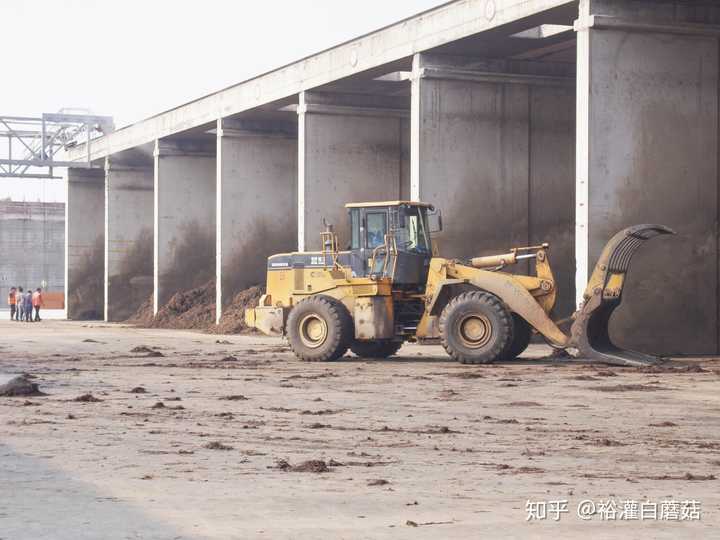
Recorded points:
(589,332)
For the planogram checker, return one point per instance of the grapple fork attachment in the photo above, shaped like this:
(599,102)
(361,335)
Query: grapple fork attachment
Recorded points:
(589,332)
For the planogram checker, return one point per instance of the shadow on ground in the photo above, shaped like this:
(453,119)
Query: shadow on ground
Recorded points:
(47,504)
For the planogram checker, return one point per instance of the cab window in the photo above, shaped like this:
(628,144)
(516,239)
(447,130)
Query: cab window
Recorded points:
(376,229)
(413,235)
(355,228)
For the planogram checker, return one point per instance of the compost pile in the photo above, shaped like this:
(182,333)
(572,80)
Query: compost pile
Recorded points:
(195,310)
(20,386)
(144,315)
(233,319)
(187,310)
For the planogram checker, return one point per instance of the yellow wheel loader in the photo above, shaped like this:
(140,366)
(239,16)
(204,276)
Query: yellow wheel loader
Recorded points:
(390,286)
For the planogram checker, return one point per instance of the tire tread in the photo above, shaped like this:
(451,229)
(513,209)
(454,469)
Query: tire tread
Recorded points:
(339,317)
(506,322)
(375,349)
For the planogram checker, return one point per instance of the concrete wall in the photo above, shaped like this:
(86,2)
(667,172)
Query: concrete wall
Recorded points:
(185,206)
(256,206)
(347,154)
(129,234)
(32,243)
(85,243)
(497,159)
(551,180)
(648,153)
(405,177)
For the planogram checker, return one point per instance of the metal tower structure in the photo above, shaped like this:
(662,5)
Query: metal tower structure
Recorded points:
(34,144)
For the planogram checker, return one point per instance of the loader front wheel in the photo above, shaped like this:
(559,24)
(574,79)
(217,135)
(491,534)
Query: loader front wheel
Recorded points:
(319,329)
(476,328)
(521,338)
(375,349)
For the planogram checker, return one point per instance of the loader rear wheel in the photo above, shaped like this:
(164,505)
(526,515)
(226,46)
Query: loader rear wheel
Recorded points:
(319,329)
(375,349)
(476,328)
(521,338)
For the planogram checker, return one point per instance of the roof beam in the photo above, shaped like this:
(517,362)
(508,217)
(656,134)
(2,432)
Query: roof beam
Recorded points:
(449,22)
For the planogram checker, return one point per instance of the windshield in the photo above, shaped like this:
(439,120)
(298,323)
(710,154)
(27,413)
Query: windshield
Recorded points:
(376,228)
(413,235)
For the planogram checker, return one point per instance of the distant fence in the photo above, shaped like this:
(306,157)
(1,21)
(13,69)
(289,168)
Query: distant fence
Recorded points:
(54,300)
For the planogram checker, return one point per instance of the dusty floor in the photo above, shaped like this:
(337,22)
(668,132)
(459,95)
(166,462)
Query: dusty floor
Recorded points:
(417,447)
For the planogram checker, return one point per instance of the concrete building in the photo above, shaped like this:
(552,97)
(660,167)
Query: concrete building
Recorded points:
(32,246)
(524,120)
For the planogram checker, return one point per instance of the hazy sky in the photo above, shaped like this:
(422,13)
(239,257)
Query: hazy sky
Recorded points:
(134,58)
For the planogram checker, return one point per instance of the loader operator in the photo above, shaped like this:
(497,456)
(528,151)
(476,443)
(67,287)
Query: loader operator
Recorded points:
(377,229)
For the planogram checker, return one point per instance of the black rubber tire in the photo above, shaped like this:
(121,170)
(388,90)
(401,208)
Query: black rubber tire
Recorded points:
(476,305)
(522,332)
(339,329)
(375,349)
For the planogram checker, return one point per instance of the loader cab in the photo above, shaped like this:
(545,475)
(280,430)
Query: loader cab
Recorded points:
(402,226)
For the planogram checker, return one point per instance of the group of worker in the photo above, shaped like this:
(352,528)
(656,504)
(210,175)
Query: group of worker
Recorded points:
(22,303)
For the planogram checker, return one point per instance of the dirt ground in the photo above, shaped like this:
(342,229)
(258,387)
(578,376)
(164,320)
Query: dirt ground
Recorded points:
(217,437)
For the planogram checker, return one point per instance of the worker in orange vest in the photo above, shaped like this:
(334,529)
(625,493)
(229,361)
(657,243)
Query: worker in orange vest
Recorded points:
(37,302)
(12,302)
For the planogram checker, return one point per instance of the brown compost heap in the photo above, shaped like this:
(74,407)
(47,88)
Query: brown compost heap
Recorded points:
(195,310)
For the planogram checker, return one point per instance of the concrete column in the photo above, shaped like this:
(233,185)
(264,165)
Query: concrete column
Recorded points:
(185,205)
(85,243)
(647,152)
(129,218)
(492,146)
(351,148)
(256,202)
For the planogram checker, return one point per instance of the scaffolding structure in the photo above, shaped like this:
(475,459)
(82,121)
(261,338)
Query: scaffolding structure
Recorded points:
(34,145)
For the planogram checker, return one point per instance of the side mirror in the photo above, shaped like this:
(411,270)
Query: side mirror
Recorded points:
(435,220)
